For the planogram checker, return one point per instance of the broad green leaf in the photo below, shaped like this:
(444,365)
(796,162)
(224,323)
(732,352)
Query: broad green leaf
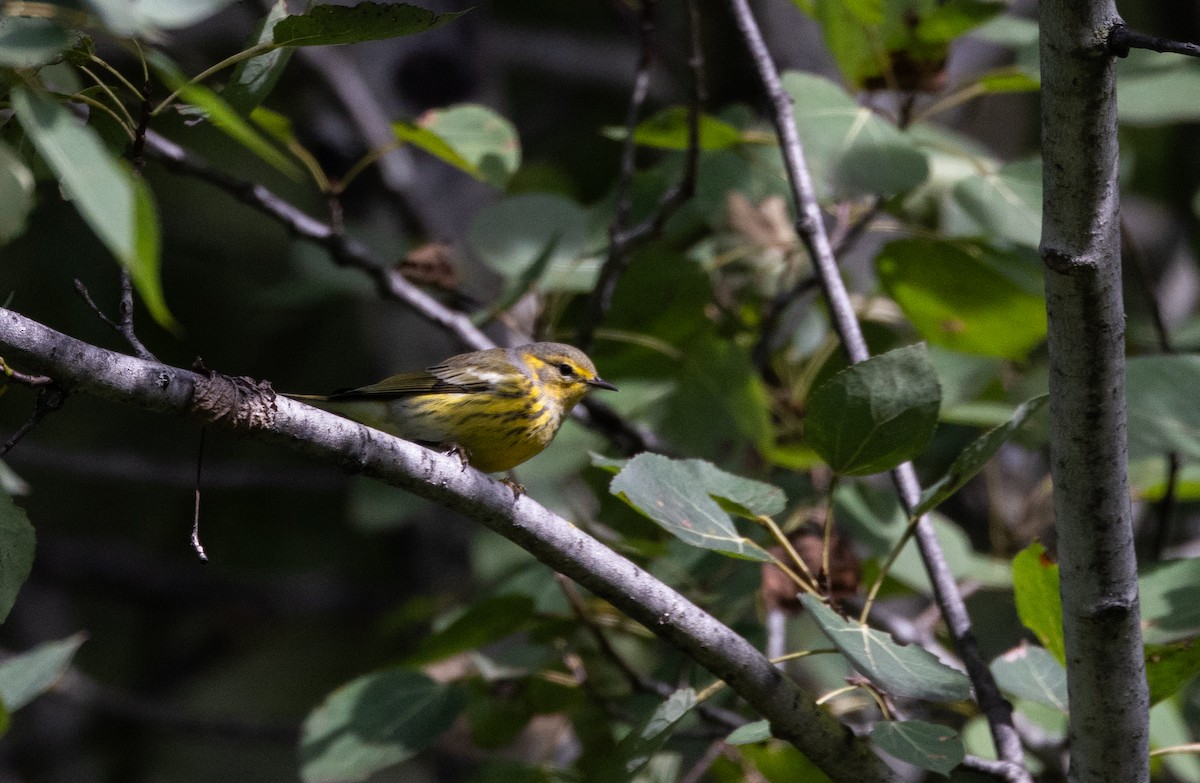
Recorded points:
(1170,601)
(851,150)
(873,416)
(1169,727)
(221,114)
(779,762)
(926,745)
(966,297)
(485,622)
(1006,203)
(676,494)
(114,202)
(973,458)
(16,552)
(511,234)
(30,43)
(650,734)
(906,671)
(1171,666)
(478,135)
(16,194)
(326,24)
(435,145)
(1035,585)
(758,731)
(375,722)
(1160,96)
(252,80)
(1032,673)
(951,19)
(668,130)
(149,17)
(28,675)
(1162,412)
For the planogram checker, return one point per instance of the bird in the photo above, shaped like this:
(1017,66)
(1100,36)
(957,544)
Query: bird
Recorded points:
(496,408)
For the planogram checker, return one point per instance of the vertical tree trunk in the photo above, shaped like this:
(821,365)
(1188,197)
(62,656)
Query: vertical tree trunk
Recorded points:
(1080,246)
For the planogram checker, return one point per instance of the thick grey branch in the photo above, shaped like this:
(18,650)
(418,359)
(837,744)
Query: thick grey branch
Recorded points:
(1106,676)
(252,410)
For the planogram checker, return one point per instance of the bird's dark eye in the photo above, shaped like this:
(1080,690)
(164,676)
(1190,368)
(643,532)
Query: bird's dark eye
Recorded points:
(566,369)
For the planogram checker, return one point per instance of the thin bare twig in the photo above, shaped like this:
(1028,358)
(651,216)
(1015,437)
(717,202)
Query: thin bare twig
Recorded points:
(811,230)
(124,327)
(623,238)
(1121,39)
(49,399)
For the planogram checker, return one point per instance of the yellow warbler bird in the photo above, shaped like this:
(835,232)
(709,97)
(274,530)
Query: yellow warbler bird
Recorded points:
(501,406)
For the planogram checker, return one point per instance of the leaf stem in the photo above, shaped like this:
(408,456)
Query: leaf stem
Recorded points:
(246,54)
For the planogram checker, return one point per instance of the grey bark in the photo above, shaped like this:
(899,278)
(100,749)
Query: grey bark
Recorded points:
(1106,679)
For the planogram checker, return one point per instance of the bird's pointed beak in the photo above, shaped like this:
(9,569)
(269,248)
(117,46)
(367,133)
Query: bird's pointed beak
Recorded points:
(600,383)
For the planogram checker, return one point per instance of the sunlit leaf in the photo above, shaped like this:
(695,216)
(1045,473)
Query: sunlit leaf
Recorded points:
(475,135)
(851,150)
(1033,673)
(668,129)
(1035,585)
(115,203)
(758,731)
(902,670)
(678,495)
(1162,411)
(1170,601)
(1006,203)
(150,17)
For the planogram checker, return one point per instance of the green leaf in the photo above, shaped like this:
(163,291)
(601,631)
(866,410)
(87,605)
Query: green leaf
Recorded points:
(1162,411)
(758,731)
(511,234)
(906,671)
(252,80)
(1170,600)
(873,416)
(1008,79)
(677,494)
(435,145)
(949,20)
(926,745)
(30,43)
(1159,96)
(149,17)
(114,202)
(375,722)
(16,552)
(1171,666)
(966,297)
(1035,585)
(221,114)
(973,458)
(28,675)
(1007,203)
(1032,673)
(327,25)
(651,733)
(779,762)
(668,130)
(851,150)
(486,141)
(16,194)
(485,622)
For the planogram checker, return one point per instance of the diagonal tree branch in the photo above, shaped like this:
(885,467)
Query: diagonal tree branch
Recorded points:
(811,229)
(252,410)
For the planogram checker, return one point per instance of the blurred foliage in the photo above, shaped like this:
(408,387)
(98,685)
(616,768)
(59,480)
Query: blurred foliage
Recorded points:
(343,631)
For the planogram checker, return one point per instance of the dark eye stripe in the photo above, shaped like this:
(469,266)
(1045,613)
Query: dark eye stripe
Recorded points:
(566,369)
